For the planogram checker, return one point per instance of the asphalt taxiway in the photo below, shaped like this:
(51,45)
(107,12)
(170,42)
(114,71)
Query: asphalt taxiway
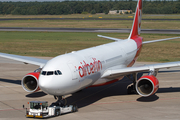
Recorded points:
(102,103)
(5,19)
(103,30)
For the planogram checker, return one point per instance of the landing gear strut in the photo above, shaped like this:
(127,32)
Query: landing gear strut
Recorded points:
(60,101)
(131,88)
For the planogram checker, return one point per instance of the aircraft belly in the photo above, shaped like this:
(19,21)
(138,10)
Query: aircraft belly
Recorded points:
(89,80)
(105,81)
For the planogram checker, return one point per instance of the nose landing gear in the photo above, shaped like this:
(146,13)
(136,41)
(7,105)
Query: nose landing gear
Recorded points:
(60,101)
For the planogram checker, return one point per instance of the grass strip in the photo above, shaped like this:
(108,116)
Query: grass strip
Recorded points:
(51,44)
(146,24)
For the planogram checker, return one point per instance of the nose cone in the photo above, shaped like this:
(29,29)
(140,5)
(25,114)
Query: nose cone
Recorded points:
(45,83)
(56,85)
(56,77)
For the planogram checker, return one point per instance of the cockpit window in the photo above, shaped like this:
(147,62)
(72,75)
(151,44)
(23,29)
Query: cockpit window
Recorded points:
(56,72)
(50,73)
(59,72)
(43,73)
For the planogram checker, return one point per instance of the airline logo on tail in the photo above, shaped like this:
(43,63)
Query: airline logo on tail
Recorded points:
(139,21)
(136,28)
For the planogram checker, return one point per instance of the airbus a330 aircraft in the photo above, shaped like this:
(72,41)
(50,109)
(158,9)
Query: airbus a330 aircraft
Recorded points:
(96,66)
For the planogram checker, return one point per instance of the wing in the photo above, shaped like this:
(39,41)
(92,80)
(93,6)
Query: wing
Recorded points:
(26,60)
(145,68)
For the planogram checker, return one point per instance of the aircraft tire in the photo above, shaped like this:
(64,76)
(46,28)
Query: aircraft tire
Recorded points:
(74,108)
(130,90)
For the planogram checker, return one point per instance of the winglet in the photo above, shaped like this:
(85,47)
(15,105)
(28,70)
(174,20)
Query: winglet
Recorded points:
(136,27)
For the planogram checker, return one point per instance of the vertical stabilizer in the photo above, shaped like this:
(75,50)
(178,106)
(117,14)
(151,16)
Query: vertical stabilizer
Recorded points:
(136,28)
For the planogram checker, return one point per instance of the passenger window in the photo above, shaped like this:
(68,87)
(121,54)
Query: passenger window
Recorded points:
(55,72)
(59,72)
(43,73)
(50,73)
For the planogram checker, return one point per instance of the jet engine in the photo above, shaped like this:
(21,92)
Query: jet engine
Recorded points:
(30,82)
(147,85)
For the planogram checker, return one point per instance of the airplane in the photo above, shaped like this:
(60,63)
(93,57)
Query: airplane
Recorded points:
(95,66)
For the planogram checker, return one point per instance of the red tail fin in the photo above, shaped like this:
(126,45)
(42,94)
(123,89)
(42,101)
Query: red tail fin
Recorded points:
(136,28)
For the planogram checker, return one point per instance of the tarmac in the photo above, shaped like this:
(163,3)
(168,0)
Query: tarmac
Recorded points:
(101,30)
(109,102)
(171,19)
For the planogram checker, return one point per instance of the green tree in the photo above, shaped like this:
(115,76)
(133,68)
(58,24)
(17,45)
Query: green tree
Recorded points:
(69,7)
(93,12)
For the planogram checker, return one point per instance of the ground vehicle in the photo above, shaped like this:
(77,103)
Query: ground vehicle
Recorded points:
(40,109)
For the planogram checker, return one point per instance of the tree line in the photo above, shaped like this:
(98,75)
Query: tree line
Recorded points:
(79,7)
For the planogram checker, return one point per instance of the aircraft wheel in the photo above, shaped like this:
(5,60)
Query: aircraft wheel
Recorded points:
(74,108)
(131,90)
(58,112)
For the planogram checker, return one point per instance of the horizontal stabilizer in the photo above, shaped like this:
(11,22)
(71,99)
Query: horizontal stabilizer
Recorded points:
(145,42)
(110,38)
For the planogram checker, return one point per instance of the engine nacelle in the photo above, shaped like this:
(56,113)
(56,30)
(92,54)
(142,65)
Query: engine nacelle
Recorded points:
(147,85)
(30,82)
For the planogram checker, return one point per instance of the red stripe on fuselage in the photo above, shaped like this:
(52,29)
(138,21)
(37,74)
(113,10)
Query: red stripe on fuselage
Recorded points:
(138,41)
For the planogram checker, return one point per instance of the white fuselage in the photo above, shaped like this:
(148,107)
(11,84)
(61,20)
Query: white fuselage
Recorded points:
(84,68)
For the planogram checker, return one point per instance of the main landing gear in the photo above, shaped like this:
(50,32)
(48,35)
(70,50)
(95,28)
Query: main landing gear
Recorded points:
(131,88)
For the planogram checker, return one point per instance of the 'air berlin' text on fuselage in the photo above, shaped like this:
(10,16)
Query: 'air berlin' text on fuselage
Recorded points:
(93,67)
